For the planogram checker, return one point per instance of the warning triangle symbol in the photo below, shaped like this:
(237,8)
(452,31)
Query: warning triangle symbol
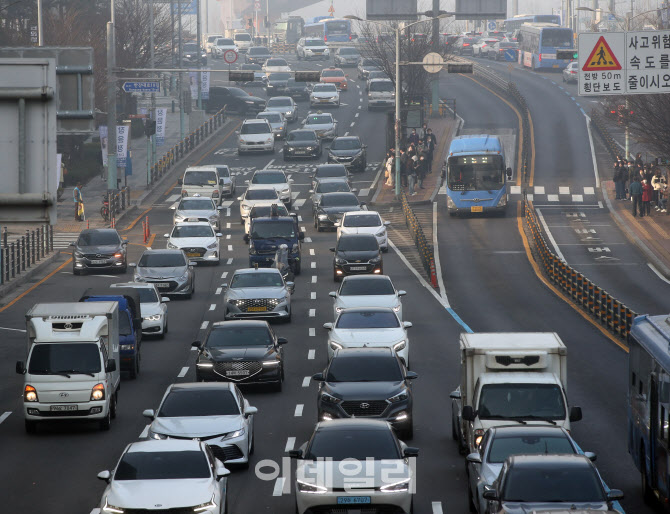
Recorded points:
(602,58)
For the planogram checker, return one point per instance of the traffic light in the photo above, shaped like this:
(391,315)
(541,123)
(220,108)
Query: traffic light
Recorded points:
(624,115)
(307,76)
(459,67)
(240,76)
(571,55)
(149,127)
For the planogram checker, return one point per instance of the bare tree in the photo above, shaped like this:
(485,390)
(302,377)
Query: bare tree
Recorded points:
(650,121)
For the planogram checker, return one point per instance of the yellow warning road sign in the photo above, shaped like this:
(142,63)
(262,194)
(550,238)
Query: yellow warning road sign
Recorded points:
(601,58)
(331,9)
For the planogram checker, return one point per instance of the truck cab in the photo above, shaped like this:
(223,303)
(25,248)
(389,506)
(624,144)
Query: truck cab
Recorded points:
(267,234)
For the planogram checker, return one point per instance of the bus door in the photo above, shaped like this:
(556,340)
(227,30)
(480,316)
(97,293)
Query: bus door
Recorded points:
(660,461)
(654,432)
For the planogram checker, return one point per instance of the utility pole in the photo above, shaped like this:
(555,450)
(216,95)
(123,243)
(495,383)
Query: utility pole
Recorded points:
(111,104)
(40,33)
(181,80)
(435,85)
(199,37)
(152,57)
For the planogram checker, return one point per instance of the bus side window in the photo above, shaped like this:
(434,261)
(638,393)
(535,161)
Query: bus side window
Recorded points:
(662,422)
(632,382)
(640,388)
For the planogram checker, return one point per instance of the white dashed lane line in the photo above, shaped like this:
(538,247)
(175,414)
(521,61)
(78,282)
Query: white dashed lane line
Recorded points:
(229,261)
(230,248)
(218,290)
(145,432)
(6,415)
(279,486)
(437,507)
(313,295)
(305,381)
(311,251)
(212,307)
(308,240)
(225,273)
(356,115)
(313,279)
(312,313)
(290,444)
(203,326)
(227,236)
(352,123)
(312,332)
(183,372)
(310,355)
(313,265)
(298,410)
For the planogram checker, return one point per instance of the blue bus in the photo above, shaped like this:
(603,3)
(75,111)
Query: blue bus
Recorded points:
(649,403)
(538,43)
(331,30)
(477,175)
(514,23)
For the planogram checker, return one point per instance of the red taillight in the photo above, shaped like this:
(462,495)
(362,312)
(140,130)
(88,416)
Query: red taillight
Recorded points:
(539,57)
(325,38)
(466,44)
(349,37)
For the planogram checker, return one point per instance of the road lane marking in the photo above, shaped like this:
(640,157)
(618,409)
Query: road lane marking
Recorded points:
(552,198)
(228,225)
(305,381)
(550,235)
(356,115)
(268,164)
(229,261)
(311,251)
(352,124)
(203,325)
(145,432)
(563,190)
(313,279)
(364,192)
(299,217)
(308,240)
(312,332)
(218,290)
(515,190)
(578,198)
(12,329)
(437,507)
(279,486)
(313,265)
(290,444)
(312,313)
(589,191)
(225,273)
(346,134)
(183,372)
(298,410)
(212,307)
(593,150)
(6,414)
(313,295)
(310,355)
(228,211)
(658,273)
(299,203)
(227,236)
(539,190)
(230,248)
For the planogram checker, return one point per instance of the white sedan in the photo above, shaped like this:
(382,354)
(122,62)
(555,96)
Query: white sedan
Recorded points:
(324,94)
(367,291)
(152,305)
(197,239)
(276,65)
(365,222)
(215,412)
(175,474)
(369,327)
(257,196)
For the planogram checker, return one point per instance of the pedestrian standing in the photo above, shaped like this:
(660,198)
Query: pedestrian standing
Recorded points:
(617,177)
(413,138)
(422,169)
(624,178)
(638,160)
(429,144)
(657,183)
(422,131)
(636,195)
(403,167)
(411,174)
(647,193)
(389,169)
(78,203)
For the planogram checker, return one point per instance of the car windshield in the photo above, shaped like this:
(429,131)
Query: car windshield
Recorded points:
(314,42)
(190,47)
(377,75)
(364,287)
(319,119)
(198,402)
(162,260)
(332,73)
(261,211)
(521,401)
(367,319)
(382,85)
(348,200)
(504,446)
(279,102)
(238,336)
(269,177)
(211,39)
(279,76)
(243,280)
(200,178)
(557,38)
(242,37)
(147,294)
(371,62)
(177,465)
(276,62)
(331,172)
(362,220)
(188,204)
(284,229)
(365,369)
(125,329)
(360,445)
(225,42)
(255,128)
(552,484)
(357,243)
(476,173)
(224,171)
(349,52)
(192,231)
(346,144)
(64,358)
(324,88)
(251,67)
(333,187)
(274,117)
(259,50)
(261,194)
(98,238)
(302,135)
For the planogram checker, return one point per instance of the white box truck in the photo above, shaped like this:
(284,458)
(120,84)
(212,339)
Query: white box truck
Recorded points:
(509,378)
(72,366)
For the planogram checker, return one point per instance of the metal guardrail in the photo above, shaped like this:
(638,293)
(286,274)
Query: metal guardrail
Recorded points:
(420,240)
(23,252)
(612,314)
(610,143)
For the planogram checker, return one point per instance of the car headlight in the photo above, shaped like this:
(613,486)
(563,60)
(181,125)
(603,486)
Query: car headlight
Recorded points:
(286,190)
(236,433)
(450,203)
(212,246)
(375,260)
(340,260)
(211,504)
(269,140)
(398,397)
(398,487)
(214,218)
(252,249)
(271,364)
(30,394)
(111,509)
(155,435)
(329,398)
(396,308)
(335,345)
(311,148)
(126,347)
(139,278)
(245,206)
(369,95)
(98,392)
(479,434)
(78,254)
(305,487)
(171,245)
(153,317)
(381,232)
(503,201)
(400,345)
(184,276)
(249,102)
(178,218)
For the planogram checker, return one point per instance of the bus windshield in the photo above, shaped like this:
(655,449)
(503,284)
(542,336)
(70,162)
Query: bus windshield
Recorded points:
(476,173)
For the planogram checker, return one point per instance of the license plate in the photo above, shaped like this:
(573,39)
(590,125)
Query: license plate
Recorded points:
(555,66)
(358,268)
(193,254)
(353,500)
(161,284)
(60,408)
(237,372)
(98,261)
(257,309)
(301,152)
(476,208)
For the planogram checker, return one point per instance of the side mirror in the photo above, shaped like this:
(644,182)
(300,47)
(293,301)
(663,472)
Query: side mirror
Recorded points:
(354,190)
(132,264)
(111,366)
(337,224)
(247,181)
(73,244)
(124,242)
(489,493)
(311,191)
(301,236)
(282,340)
(196,344)
(455,395)
(328,326)
(363,203)
(318,377)
(468,413)
(364,146)
(224,287)
(333,294)
(411,375)
(295,454)
(407,324)
(149,413)
(172,207)
(180,181)
(219,207)
(166,235)
(474,457)
(105,475)
(575,414)
(402,292)
(291,286)
(165,299)
(614,495)
(410,452)
(20,367)
(387,223)
(237,132)
(332,248)
(219,234)
(248,411)
(192,263)
(221,470)
(239,198)
(591,456)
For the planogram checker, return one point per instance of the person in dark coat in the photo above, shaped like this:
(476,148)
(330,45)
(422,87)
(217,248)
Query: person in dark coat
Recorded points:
(636,195)
(617,177)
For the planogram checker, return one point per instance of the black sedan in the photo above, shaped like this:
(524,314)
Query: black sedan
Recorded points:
(357,254)
(245,352)
(302,143)
(233,99)
(367,382)
(297,90)
(99,249)
(332,207)
(348,150)
(276,84)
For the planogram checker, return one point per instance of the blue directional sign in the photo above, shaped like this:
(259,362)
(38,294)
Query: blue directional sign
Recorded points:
(142,87)
(510,55)
(492,25)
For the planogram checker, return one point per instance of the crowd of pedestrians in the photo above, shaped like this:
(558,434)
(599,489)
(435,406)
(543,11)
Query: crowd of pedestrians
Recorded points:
(415,158)
(644,184)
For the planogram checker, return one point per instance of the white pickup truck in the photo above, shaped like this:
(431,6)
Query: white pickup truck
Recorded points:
(510,378)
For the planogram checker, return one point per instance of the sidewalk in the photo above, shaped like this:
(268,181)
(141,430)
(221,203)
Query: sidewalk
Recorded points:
(444,130)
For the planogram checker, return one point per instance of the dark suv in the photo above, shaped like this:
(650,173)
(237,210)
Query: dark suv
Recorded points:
(357,254)
(267,234)
(464,44)
(257,55)
(99,249)
(367,382)
(233,99)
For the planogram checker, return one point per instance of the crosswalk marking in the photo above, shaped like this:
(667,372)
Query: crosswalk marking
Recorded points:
(589,191)
(515,190)
(552,198)
(227,204)
(295,194)
(63,239)
(299,203)
(539,190)
(562,190)
(577,198)
(364,192)
(172,198)
(529,196)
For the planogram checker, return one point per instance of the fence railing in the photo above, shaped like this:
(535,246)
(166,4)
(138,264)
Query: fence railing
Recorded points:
(416,231)
(612,314)
(20,254)
(608,140)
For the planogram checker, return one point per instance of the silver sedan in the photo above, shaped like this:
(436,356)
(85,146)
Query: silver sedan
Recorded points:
(322,123)
(258,293)
(285,105)
(197,207)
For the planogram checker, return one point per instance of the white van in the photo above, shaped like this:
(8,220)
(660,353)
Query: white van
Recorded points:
(381,93)
(202,181)
(243,41)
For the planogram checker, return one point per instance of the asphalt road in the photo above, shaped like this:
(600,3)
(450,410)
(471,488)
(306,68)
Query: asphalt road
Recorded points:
(489,283)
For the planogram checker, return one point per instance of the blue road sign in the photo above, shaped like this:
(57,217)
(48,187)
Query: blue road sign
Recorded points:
(510,55)
(142,87)
(492,25)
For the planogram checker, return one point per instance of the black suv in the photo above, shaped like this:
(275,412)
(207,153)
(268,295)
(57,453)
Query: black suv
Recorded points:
(233,99)
(332,207)
(99,249)
(356,254)
(348,150)
(367,382)
(257,55)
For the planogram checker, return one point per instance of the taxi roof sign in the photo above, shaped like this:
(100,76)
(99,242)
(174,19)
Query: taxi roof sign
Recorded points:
(601,58)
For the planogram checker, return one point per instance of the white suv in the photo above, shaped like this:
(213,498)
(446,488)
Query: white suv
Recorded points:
(255,136)
(243,41)
(312,48)
(365,222)
(275,178)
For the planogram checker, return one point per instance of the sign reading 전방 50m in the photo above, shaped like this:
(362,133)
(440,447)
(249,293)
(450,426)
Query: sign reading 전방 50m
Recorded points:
(624,63)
